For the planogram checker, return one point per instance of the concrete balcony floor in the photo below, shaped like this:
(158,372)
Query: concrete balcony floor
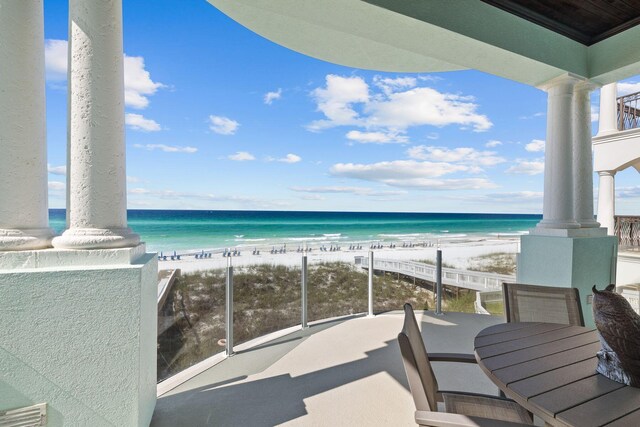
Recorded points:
(339,373)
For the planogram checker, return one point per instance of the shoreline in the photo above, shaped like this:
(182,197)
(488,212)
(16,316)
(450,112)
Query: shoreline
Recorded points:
(456,251)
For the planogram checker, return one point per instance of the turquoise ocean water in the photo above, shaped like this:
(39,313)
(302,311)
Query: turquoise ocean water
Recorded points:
(181,230)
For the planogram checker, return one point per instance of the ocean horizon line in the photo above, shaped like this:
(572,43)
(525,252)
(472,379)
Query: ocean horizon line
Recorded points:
(539,215)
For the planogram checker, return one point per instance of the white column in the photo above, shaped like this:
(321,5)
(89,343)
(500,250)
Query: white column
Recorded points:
(97,176)
(607,201)
(24,216)
(608,115)
(582,157)
(557,211)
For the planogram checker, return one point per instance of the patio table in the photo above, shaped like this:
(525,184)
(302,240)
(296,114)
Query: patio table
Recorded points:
(550,370)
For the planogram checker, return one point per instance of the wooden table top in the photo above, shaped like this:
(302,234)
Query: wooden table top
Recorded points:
(550,370)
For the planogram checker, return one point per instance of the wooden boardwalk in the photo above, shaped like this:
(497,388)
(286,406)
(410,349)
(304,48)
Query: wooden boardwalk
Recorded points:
(474,280)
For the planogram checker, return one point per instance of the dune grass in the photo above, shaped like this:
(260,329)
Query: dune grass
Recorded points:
(497,262)
(267,298)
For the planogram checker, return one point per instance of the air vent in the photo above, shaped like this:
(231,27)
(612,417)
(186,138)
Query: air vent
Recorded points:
(29,416)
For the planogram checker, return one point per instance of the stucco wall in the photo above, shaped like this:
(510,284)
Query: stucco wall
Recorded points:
(81,339)
(578,262)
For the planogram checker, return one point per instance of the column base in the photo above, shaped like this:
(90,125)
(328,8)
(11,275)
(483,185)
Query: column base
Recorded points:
(569,262)
(562,225)
(25,239)
(588,223)
(96,238)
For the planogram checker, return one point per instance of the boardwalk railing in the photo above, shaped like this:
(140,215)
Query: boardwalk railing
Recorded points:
(627,228)
(474,280)
(629,111)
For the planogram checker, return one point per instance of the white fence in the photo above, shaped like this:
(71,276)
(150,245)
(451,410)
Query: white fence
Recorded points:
(475,280)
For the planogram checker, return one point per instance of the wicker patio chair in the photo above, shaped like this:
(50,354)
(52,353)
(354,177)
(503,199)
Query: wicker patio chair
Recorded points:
(532,303)
(460,409)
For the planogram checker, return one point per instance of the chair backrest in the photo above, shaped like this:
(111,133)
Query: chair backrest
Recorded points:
(422,381)
(532,303)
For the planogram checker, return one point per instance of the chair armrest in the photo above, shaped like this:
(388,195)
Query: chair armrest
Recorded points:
(452,357)
(443,419)
(482,405)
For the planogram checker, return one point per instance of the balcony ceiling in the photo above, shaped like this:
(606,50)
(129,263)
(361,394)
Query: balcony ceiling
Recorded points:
(586,22)
(527,41)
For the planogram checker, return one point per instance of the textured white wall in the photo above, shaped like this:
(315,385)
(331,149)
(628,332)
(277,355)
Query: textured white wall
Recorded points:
(82,339)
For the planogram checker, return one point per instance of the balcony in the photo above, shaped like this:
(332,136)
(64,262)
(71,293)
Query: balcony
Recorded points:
(232,349)
(628,113)
(627,229)
(339,372)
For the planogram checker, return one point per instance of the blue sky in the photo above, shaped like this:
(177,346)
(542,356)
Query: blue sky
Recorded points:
(220,118)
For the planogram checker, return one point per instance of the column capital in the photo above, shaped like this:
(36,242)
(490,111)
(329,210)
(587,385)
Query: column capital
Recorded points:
(587,85)
(607,173)
(568,80)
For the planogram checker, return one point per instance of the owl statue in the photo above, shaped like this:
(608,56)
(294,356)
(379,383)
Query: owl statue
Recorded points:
(619,328)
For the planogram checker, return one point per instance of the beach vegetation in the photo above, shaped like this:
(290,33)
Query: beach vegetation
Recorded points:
(496,262)
(267,298)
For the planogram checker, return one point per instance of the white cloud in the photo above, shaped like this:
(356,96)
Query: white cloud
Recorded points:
(290,158)
(517,196)
(527,167)
(138,85)
(57,186)
(241,156)
(336,101)
(172,195)
(57,170)
(625,88)
(397,169)
(139,122)
(132,179)
(312,197)
(443,184)
(533,116)
(360,191)
(433,135)
(535,146)
(377,137)
(223,125)
(493,143)
(595,113)
(55,57)
(389,85)
(426,106)
(269,97)
(393,104)
(463,155)
(167,148)
(628,192)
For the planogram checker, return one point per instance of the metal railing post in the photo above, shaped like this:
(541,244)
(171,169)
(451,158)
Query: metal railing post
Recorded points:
(370,314)
(439,282)
(303,292)
(229,309)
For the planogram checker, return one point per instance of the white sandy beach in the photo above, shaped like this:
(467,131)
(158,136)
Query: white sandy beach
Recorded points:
(454,252)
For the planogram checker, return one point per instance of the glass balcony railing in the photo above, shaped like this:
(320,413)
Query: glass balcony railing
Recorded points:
(266,298)
(191,321)
(194,323)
